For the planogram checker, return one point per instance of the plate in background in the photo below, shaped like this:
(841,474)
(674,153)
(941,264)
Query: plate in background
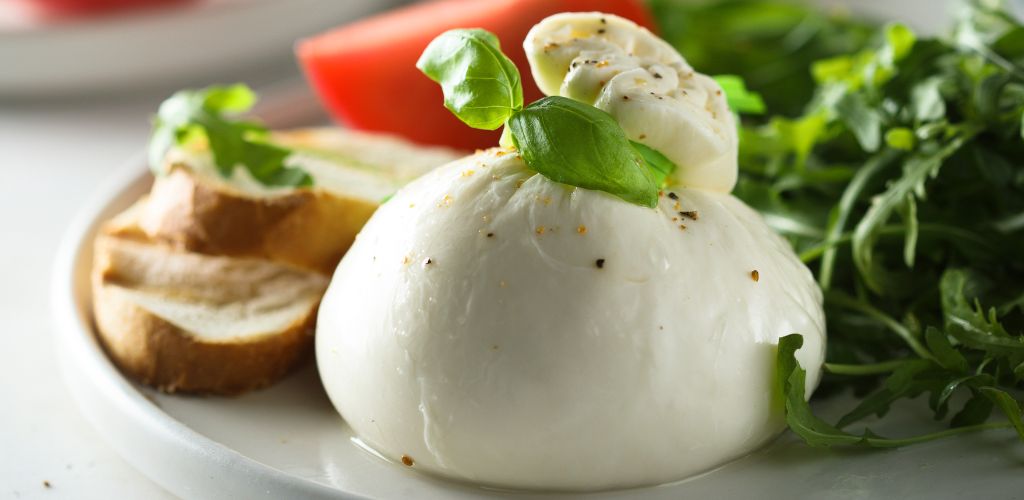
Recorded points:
(165,47)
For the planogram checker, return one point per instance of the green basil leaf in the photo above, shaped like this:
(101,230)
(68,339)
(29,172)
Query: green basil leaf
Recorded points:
(577,144)
(189,116)
(481,85)
(659,166)
(741,100)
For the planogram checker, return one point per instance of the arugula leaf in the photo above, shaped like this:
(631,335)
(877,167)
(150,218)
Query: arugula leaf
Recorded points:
(1009,406)
(893,160)
(577,144)
(481,85)
(943,350)
(916,171)
(790,380)
(970,325)
(863,120)
(191,117)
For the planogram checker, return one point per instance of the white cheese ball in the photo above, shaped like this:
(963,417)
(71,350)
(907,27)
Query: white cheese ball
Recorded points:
(494,326)
(646,85)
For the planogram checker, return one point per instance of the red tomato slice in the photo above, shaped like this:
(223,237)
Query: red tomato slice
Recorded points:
(365,73)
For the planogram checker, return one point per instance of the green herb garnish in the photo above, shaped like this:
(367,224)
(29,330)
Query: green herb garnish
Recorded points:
(481,85)
(564,140)
(741,99)
(191,117)
(893,166)
(598,157)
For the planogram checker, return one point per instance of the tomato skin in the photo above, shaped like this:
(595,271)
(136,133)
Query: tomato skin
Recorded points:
(365,73)
(68,9)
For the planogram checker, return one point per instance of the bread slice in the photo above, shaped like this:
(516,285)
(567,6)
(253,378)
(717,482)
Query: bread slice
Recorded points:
(193,208)
(197,323)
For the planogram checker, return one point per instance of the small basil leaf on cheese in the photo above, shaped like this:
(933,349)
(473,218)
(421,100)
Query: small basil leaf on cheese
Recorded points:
(740,99)
(577,144)
(191,117)
(659,166)
(481,85)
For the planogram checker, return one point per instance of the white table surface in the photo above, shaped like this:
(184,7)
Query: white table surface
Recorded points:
(52,157)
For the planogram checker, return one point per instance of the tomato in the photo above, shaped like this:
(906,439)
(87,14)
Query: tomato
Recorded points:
(365,73)
(66,9)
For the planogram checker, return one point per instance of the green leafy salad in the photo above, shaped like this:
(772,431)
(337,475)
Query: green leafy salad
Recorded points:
(892,163)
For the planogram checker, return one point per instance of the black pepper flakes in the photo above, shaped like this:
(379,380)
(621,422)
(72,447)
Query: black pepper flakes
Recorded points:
(657,75)
(47,485)
(490,235)
(428,262)
(604,21)
(599,263)
(754,275)
(689,214)
(600,31)
(625,98)
(673,196)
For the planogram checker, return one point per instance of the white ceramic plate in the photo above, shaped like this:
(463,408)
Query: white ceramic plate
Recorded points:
(170,47)
(287,441)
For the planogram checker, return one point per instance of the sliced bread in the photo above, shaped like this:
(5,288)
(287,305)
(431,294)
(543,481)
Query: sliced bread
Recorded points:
(198,323)
(193,208)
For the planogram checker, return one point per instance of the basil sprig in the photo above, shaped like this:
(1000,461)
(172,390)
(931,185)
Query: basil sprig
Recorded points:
(564,140)
(574,143)
(481,85)
(191,116)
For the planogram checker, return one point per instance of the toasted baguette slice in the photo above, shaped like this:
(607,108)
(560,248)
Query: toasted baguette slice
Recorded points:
(197,323)
(194,208)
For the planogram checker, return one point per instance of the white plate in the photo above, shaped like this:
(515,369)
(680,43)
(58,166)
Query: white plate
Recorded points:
(287,441)
(170,47)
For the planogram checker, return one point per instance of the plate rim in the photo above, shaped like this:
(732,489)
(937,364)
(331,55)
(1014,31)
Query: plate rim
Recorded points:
(117,409)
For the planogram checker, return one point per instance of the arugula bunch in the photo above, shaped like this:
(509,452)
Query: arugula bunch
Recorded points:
(564,140)
(203,118)
(901,184)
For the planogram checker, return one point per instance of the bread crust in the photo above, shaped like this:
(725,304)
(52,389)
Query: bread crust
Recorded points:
(158,352)
(307,228)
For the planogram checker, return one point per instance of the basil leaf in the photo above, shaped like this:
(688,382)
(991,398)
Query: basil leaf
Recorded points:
(739,98)
(580,145)
(481,85)
(191,116)
(659,166)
